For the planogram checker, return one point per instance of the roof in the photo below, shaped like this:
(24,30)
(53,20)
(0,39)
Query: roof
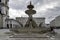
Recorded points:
(58,17)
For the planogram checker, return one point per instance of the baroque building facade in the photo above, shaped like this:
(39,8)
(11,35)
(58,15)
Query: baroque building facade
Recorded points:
(40,21)
(3,12)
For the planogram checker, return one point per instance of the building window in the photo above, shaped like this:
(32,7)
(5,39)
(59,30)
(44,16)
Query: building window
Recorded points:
(10,25)
(0,9)
(0,0)
(7,25)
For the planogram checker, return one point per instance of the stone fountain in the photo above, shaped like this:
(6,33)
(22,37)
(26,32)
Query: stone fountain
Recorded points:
(30,30)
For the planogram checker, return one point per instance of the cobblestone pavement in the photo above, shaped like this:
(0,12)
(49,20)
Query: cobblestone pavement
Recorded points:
(4,36)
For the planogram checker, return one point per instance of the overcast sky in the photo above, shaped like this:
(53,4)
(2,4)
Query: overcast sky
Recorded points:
(45,8)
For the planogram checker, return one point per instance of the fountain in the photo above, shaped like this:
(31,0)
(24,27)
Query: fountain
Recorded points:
(30,30)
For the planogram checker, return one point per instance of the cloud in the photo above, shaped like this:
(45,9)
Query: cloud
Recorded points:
(17,4)
(16,13)
(45,8)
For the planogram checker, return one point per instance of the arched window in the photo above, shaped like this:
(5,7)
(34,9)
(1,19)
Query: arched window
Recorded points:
(7,25)
(10,25)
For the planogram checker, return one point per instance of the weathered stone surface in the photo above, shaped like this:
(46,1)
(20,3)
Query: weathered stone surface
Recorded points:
(1,21)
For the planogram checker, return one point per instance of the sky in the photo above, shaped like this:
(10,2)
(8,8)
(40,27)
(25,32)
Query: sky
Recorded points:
(44,8)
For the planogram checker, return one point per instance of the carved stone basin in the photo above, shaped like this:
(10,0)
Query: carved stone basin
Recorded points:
(30,30)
